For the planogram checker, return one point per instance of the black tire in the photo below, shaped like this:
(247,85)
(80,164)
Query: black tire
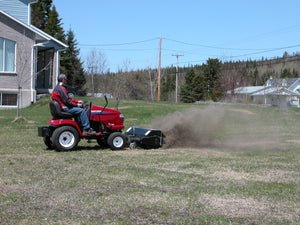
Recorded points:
(102,143)
(116,141)
(48,142)
(65,138)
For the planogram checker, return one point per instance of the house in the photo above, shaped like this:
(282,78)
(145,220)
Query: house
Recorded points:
(29,58)
(281,92)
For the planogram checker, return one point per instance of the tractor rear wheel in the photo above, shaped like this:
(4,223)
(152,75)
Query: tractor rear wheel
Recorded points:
(116,141)
(65,138)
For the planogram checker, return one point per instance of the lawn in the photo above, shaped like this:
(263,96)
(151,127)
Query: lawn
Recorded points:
(220,165)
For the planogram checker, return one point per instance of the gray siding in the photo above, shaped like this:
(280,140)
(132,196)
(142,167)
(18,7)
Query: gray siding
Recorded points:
(24,39)
(16,8)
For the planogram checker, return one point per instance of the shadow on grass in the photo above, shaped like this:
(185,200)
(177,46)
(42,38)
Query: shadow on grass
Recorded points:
(85,148)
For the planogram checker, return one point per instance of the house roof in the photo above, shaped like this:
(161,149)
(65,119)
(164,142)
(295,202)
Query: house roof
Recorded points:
(279,82)
(42,37)
(248,90)
(275,91)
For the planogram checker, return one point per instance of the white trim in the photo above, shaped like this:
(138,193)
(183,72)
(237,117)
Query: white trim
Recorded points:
(37,31)
(32,73)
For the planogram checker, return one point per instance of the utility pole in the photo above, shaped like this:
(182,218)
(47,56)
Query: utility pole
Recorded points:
(176,92)
(158,73)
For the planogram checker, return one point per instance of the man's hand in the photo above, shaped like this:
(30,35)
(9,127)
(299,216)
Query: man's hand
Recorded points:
(79,104)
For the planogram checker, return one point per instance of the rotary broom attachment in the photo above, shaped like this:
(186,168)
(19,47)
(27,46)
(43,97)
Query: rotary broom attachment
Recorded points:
(144,138)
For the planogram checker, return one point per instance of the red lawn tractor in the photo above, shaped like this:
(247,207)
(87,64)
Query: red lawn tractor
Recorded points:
(64,132)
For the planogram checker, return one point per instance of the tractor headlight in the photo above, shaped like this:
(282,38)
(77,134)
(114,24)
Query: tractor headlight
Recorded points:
(121,115)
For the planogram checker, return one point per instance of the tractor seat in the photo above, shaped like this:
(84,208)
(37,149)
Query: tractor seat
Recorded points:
(57,113)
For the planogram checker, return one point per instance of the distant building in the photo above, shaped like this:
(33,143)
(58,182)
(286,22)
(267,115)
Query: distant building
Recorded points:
(29,58)
(282,92)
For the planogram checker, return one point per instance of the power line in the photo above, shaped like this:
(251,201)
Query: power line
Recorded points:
(271,50)
(214,47)
(118,44)
(256,51)
(129,49)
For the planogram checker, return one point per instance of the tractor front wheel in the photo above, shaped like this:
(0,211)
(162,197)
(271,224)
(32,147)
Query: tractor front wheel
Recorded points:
(65,138)
(116,141)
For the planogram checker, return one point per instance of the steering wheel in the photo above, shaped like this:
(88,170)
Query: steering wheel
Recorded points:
(85,105)
(88,108)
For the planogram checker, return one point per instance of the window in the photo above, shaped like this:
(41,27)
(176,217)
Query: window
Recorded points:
(8,99)
(7,55)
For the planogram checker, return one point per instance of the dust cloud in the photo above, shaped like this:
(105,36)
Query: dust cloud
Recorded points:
(192,128)
(207,127)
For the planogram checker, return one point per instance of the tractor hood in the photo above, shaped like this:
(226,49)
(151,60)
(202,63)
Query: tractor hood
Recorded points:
(113,119)
(98,109)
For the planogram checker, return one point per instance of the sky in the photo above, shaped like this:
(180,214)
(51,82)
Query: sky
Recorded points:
(127,32)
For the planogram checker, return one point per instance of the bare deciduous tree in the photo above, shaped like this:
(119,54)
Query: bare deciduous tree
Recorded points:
(96,64)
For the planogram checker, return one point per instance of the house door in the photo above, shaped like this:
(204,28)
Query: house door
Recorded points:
(45,69)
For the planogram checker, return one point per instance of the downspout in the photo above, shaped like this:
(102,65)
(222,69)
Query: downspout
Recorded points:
(33,72)
(33,68)
(57,65)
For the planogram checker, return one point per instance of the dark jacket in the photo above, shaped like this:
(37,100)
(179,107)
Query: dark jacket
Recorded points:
(60,95)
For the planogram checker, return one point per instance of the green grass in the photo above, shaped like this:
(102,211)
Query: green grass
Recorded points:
(247,174)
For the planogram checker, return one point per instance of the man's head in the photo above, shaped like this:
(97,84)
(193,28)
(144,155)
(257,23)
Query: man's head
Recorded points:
(62,78)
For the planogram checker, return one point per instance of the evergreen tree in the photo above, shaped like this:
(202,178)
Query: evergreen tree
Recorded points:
(265,76)
(71,64)
(168,86)
(187,92)
(54,25)
(40,12)
(255,74)
(295,73)
(211,71)
(286,73)
(199,87)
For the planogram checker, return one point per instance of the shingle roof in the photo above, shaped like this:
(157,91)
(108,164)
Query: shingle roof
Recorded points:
(275,91)
(279,82)
(248,90)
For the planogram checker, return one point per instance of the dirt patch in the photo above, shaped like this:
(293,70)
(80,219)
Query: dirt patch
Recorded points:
(131,119)
(22,119)
(293,141)
(242,111)
(262,176)
(11,188)
(233,206)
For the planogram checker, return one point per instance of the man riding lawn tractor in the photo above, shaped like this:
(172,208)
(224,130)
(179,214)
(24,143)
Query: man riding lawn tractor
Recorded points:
(91,122)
